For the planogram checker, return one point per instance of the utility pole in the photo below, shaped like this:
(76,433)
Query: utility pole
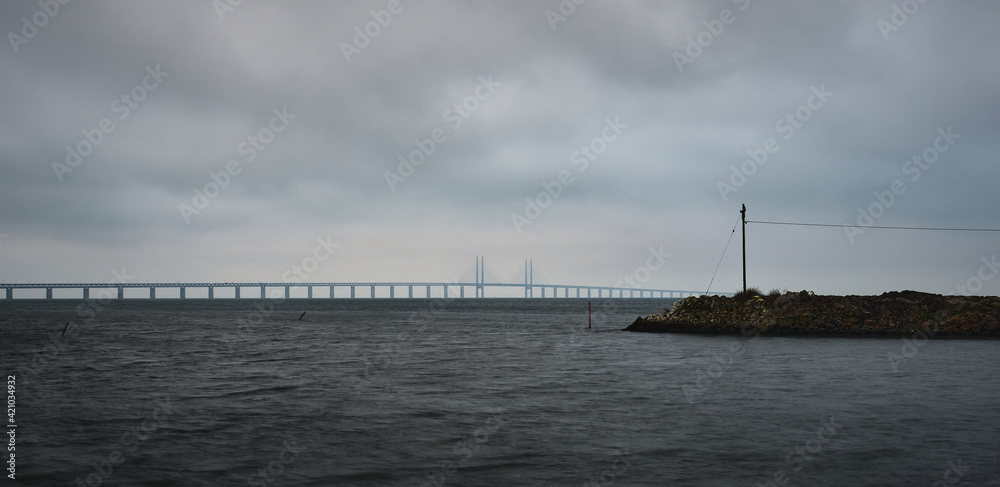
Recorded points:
(743,212)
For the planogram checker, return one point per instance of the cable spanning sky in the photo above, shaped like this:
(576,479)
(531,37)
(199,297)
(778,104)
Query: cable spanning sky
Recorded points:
(230,141)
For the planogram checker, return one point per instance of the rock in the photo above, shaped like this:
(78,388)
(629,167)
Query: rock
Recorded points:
(891,314)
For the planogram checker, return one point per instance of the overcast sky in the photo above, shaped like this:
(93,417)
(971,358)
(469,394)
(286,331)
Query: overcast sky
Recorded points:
(116,114)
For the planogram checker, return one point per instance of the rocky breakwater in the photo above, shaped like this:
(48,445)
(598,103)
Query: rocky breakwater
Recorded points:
(804,313)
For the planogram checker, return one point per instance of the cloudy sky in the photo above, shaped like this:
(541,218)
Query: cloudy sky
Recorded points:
(197,141)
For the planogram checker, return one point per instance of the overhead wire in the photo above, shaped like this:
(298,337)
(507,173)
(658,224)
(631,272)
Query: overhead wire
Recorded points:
(834,225)
(939,229)
(723,254)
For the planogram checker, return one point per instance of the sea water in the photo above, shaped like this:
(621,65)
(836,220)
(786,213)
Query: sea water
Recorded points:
(479,392)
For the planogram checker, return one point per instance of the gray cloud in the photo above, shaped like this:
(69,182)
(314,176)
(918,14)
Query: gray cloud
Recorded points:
(657,184)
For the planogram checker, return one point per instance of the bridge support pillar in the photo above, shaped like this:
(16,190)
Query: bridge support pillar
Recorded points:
(373,292)
(262,293)
(309,292)
(182,292)
(152,292)
(352,292)
(428,292)
(86,293)
(446,290)
(543,291)
(392,292)
(461,291)
(10,293)
(288,292)
(121,293)
(211,292)
(331,292)
(566,292)
(411,292)
(237,292)
(48,293)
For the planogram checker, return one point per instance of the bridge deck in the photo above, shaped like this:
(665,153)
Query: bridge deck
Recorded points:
(530,289)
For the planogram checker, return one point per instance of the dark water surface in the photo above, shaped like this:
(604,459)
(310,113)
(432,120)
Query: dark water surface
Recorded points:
(479,392)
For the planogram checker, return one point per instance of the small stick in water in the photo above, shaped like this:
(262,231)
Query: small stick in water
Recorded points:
(300,316)
(64,329)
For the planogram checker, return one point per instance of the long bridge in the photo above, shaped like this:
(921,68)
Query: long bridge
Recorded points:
(424,289)
(351,289)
